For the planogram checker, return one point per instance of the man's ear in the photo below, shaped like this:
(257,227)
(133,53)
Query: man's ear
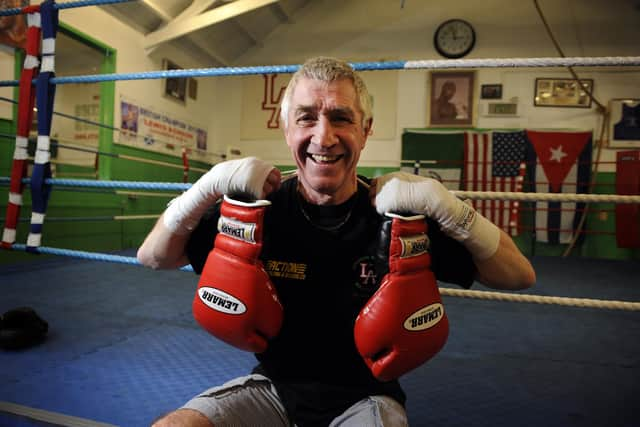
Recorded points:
(368,127)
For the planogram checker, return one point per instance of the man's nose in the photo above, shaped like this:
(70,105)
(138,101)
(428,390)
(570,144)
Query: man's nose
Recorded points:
(323,134)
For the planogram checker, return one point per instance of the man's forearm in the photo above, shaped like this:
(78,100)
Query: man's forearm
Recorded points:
(163,249)
(507,268)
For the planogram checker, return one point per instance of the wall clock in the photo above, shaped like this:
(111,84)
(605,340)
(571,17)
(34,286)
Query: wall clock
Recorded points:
(454,38)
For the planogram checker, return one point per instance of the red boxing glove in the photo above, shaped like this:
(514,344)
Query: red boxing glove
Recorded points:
(235,300)
(403,324)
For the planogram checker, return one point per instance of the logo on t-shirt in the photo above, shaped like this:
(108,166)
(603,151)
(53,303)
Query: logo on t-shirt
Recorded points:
(366,276)
(286,269)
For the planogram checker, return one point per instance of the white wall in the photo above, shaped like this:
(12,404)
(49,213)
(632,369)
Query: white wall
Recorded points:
(6,73)
(131,57)
(80,101)
(328,28)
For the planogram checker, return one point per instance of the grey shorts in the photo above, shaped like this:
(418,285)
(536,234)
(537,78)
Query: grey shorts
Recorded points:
(254,401)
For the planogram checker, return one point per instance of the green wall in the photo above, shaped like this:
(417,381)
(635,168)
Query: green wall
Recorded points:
(65,203)
(82,218)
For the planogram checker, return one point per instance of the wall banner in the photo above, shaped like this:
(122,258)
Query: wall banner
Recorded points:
(145,128)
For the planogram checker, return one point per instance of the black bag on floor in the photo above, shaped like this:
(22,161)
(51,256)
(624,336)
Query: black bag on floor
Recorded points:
(21,328)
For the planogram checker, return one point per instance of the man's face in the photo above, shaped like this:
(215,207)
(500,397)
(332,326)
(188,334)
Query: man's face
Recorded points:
(448,90)
(325,135)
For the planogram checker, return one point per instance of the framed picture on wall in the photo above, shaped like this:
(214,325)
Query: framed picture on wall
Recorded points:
(624,123)
(174,88)
(549,92)
(492,91)
(452,99)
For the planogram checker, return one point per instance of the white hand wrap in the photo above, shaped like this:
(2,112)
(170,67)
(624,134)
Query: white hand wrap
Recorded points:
(404,192)
(246,176)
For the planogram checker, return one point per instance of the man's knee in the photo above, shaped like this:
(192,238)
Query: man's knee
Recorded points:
(182,418)
(373,411)
(391,412)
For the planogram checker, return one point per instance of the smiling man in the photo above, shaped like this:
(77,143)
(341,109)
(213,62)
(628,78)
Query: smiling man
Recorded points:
(327,119)
(319,270)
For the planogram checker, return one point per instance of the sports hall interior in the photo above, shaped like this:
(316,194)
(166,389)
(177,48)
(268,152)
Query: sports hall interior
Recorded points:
(122,346)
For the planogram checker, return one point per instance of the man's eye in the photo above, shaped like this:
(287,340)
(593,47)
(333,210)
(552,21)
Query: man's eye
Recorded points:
(342,119)
(305,118)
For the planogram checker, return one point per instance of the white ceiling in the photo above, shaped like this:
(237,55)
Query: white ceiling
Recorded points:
(221,30)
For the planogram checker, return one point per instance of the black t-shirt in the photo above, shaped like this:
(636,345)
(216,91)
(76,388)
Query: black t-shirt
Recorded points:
(323,277)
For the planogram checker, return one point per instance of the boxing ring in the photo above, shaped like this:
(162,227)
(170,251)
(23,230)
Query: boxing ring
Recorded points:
(123,347)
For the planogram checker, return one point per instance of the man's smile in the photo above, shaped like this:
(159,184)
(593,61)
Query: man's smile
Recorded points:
(324,158)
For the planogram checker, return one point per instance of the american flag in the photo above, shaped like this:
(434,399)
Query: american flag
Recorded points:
(494,161)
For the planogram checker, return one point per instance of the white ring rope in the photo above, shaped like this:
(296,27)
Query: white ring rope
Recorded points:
(525,62)
(554,197)
(538,299)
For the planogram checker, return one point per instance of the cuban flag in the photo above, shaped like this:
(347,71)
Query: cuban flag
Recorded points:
(559,162)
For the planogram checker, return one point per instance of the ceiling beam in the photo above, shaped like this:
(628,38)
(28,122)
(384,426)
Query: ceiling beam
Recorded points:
(282,12)
(203,48)
(181,27)
(155,8)
(125,18)
(247,32)
(196,8)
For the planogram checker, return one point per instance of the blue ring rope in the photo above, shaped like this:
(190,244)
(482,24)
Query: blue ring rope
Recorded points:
(135,185)
(89,218)
(93,256)
(358,66)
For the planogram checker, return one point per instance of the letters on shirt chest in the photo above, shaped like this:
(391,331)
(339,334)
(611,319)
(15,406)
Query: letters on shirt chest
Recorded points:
(361,271)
